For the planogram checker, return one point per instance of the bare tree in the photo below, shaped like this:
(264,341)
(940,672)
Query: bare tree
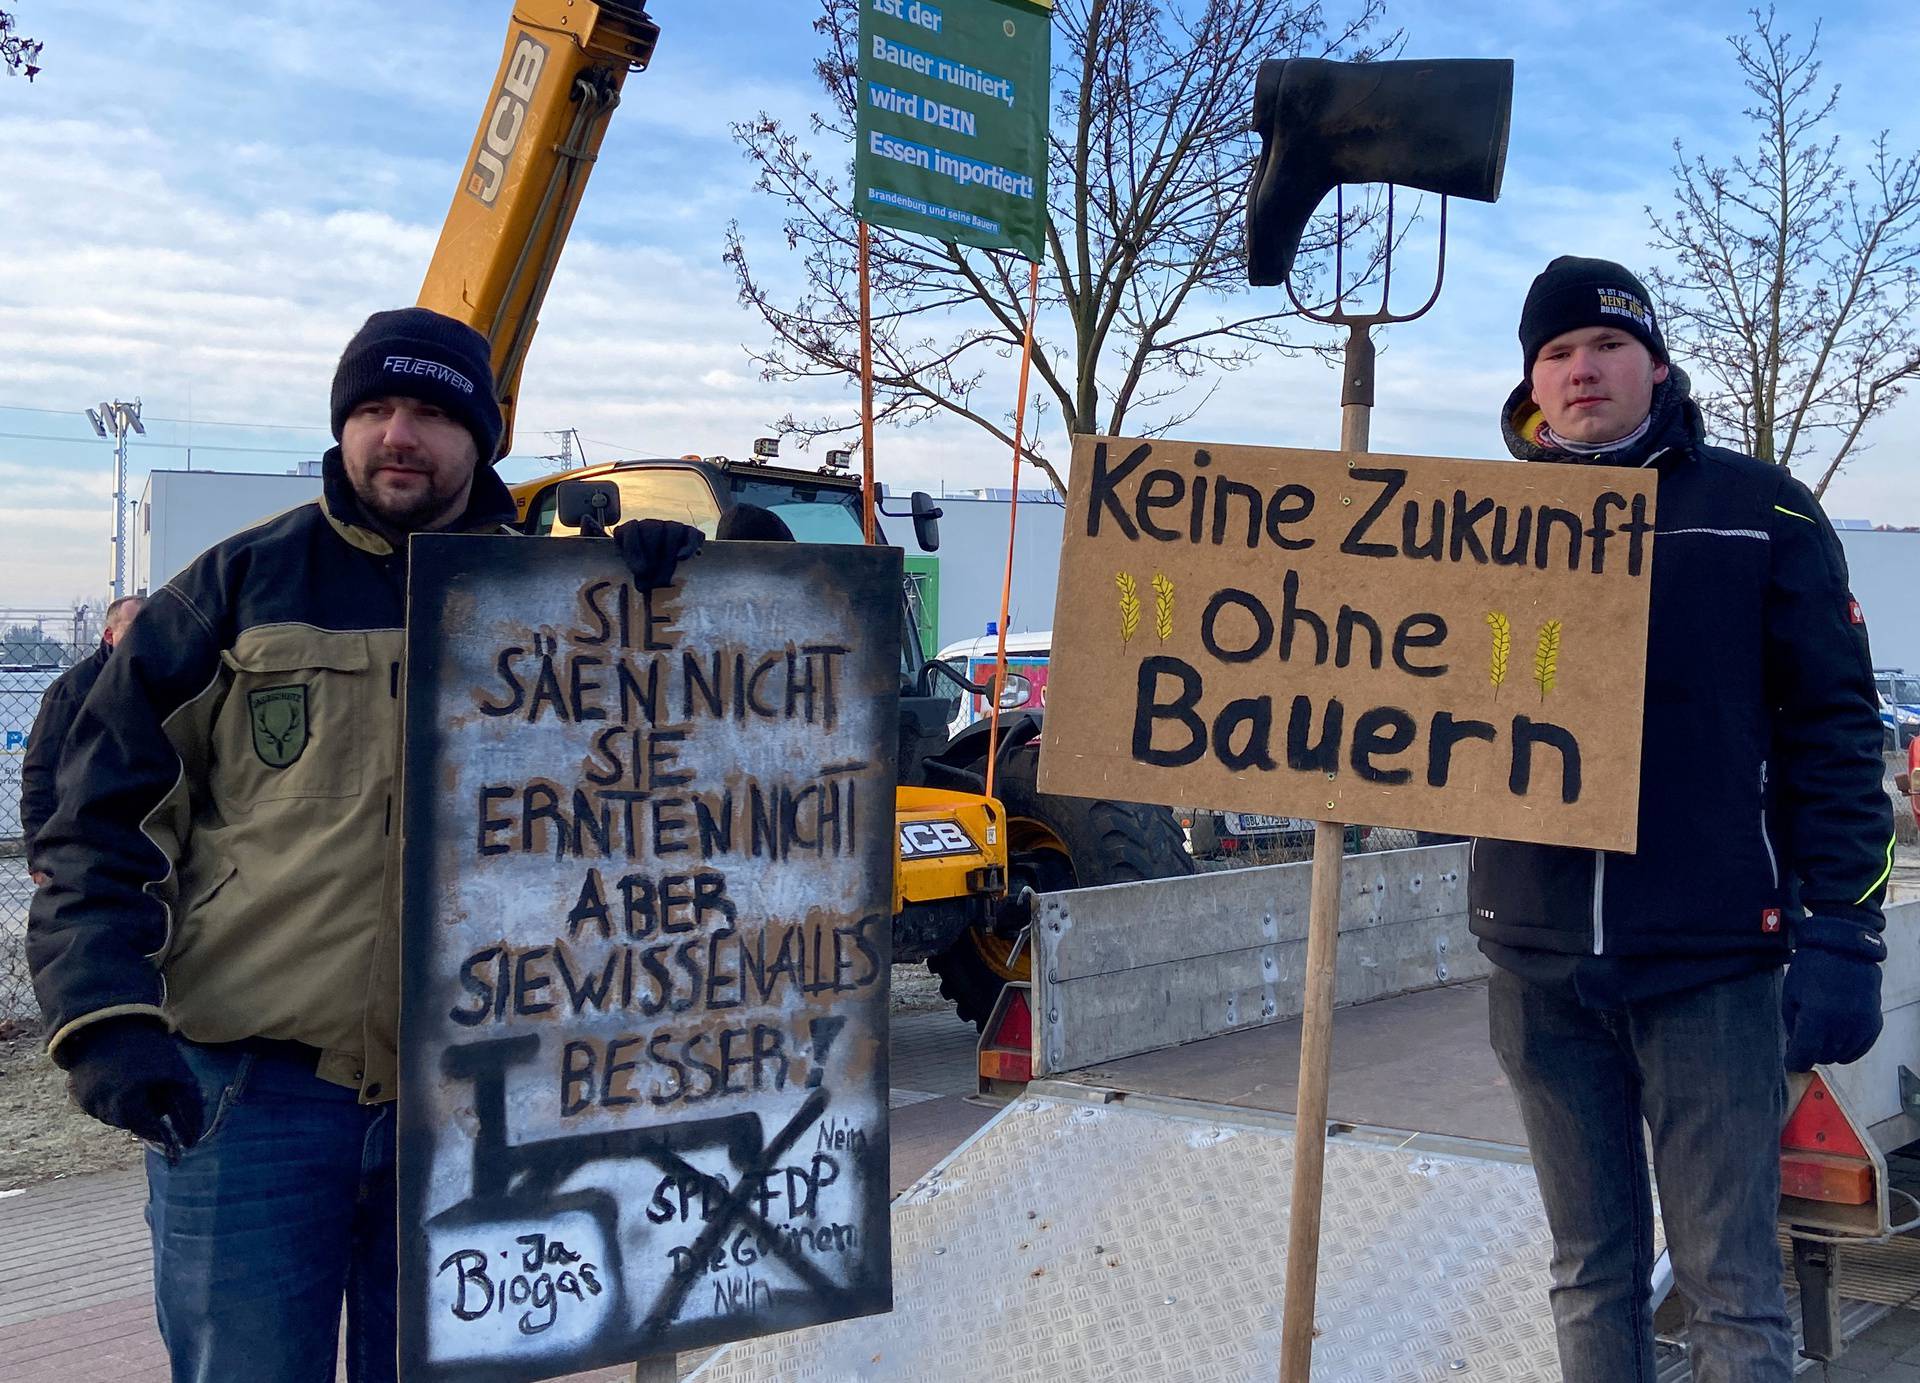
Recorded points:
(1798,273)
(20,56)
(1145,255)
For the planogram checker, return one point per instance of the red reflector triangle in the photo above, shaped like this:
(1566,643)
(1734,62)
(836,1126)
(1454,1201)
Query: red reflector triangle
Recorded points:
(1817,1125)
(1016,1024)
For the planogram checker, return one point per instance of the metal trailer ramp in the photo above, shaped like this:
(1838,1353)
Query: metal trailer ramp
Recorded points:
(1076,1240)
(1127,1219)
(1100,1229)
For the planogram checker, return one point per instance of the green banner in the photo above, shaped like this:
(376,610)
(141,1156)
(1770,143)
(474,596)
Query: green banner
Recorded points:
(952,134)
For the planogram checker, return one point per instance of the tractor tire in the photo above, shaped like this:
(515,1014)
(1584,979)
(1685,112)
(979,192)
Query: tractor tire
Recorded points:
(1055,843)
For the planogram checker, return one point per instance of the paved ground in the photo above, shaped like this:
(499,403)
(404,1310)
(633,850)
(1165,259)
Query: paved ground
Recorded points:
(1888,1353)
(76,1289)
(75,1301)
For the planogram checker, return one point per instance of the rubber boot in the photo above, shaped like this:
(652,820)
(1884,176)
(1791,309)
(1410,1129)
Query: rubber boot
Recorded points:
(1439,125)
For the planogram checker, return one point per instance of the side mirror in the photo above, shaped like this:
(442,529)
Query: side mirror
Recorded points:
(926,521)
(937,668)
(592,506)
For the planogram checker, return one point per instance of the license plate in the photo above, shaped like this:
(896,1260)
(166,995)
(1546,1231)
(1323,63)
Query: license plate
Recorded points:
(1255,824)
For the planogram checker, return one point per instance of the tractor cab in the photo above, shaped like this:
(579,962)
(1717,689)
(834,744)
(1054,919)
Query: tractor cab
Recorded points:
(966,865)
(816,506)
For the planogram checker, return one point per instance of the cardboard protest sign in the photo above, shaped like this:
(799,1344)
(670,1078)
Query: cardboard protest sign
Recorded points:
(1391,640)
(646,934)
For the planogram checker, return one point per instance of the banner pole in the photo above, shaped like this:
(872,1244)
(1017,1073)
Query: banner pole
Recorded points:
(866,390)
(1013,513)
(1316,1019)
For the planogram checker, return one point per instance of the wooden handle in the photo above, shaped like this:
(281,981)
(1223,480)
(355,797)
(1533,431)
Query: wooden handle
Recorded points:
(1310,1120)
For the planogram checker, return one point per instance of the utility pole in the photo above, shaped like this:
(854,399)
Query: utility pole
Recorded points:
(570,442)
(116,420)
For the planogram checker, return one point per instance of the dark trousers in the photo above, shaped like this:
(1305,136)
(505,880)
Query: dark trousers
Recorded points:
(1703,1070)
(281,1213)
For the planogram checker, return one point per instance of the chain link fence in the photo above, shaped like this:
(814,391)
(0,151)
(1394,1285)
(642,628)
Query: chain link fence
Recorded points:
(1291,847)
(35,648)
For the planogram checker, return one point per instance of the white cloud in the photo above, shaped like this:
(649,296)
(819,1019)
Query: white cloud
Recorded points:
(203,208)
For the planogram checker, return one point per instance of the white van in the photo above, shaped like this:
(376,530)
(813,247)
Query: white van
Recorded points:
(1026,673)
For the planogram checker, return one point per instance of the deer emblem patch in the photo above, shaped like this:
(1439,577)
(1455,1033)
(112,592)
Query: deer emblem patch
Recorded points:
(278,716)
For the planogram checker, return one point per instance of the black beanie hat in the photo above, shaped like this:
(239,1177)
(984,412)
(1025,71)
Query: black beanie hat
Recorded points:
(416,353)
(1572,293)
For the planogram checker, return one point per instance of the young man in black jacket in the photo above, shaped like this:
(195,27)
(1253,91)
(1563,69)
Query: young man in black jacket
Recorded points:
(1650,986)
(58,706)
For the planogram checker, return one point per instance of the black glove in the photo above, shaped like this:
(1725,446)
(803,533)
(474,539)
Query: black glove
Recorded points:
(129,1072)
(652,548)
(1831,1004)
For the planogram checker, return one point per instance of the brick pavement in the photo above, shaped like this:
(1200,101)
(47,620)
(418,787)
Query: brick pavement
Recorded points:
(1888,1353)
(76,1304)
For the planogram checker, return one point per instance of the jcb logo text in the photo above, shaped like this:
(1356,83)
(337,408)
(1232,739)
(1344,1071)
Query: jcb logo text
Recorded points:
(509,115)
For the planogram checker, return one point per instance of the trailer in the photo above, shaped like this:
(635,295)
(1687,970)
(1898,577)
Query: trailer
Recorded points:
(1124,1216)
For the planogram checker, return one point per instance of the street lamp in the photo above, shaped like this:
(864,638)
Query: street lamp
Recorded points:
(117,420)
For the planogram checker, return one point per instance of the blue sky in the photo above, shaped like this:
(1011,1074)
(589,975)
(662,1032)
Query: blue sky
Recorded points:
(200,202)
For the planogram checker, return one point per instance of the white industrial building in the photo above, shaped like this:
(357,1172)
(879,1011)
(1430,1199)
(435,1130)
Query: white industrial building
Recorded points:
(1884,567)
(182,513)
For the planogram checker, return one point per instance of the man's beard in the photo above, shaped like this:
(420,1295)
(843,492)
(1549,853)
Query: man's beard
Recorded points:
(412,513)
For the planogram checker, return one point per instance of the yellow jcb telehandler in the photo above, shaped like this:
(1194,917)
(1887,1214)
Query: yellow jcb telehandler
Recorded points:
(965,863)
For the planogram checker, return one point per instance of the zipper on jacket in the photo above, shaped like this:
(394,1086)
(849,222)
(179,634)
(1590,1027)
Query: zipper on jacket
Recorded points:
(1599,902)
(1766,839)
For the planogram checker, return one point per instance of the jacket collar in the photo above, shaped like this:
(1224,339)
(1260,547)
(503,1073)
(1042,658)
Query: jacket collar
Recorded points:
(489,507)
(1676,424)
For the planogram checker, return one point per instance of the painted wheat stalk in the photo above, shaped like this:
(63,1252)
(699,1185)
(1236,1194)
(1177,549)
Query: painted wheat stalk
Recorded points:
(1129,606)
(1163,605)
(1546,657)
(1502,647)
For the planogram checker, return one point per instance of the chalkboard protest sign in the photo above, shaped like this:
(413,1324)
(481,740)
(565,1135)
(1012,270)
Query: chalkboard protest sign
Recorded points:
(1390,640)
(646,932)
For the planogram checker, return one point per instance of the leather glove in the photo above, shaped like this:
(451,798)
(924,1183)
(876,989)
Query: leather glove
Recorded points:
(129,1072)
(652,548)
(1831,1004)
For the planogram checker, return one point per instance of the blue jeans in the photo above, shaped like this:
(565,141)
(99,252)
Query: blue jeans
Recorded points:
(1704,1070)
(282,1210)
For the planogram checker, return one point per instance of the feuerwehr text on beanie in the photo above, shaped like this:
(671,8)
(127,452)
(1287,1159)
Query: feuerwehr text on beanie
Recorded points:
(1572,293)
(415,352)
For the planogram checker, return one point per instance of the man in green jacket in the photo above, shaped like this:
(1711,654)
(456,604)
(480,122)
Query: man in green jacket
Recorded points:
(216,948)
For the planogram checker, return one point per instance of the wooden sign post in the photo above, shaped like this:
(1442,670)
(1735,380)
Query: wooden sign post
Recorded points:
(647,930)
(1403,641)
(1311,1086)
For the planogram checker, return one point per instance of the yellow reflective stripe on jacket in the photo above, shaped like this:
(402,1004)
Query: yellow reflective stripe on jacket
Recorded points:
(1792,514)
(1885,874)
